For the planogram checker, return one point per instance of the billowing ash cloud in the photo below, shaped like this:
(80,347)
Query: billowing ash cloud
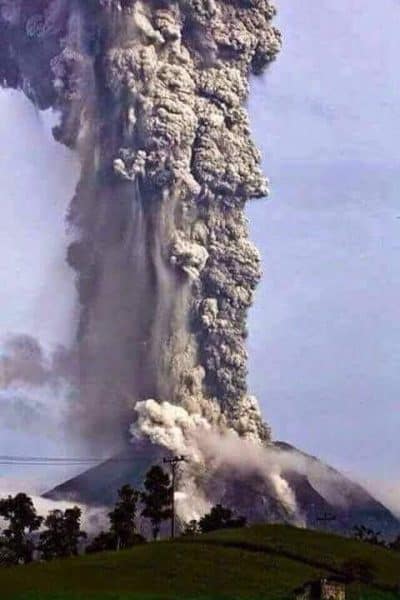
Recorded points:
(19,412)
(34,385)
(151,95)
(22,361)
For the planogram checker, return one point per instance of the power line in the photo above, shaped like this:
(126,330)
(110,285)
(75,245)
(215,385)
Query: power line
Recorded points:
(58,461)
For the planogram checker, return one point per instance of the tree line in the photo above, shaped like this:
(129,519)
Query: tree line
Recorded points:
(27,536)
(370,536)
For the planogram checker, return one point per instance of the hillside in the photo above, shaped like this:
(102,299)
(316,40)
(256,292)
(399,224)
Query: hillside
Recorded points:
(318,489)
(263,562)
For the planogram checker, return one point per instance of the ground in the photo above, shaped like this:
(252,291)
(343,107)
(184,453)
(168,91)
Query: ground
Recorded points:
(257,563)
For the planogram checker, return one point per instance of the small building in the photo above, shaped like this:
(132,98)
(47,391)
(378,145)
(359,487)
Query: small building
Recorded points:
(327,588)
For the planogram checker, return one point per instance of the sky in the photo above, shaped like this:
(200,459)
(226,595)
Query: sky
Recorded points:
(325,328)
(37,180)
(324,332)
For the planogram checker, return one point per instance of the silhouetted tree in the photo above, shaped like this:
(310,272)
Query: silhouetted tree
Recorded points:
(157,498)
(22,520)
(395,545)
(122,518)
(63,534)
(7,556)
(104,541)
(364,534)
(191,528)
(220,518)
(122,532)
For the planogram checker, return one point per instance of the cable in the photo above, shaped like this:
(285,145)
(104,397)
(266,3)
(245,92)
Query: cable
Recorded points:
(56,461)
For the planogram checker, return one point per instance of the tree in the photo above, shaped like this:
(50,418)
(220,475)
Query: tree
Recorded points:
(191,528)
(220,518)
(122,533)
(122,518)
(105,540)
(395,545)
(63,534)
(22,519)
(364,534)
(7,556)
(157,498)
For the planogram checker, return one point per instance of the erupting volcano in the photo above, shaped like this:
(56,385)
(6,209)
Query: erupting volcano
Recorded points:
(151,95)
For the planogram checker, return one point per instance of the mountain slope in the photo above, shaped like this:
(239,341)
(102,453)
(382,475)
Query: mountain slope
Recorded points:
(319,489)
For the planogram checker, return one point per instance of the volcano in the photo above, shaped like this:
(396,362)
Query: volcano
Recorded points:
(326,499)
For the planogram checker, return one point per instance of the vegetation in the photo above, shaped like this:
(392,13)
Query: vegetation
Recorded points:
(20,515)
(217,557)
(365,534)
(122,532)
(395,545)
(157,498)
(63,534)
(220,518)
(254,563)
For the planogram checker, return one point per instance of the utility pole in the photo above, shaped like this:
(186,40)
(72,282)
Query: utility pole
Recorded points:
(173,462)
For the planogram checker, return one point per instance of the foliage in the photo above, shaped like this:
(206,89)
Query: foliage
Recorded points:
(22,520)
(157,499)
(106,541)
(220,517)
(122,518)
(251,563)
(63,534)
(122,532)
(7,556)
(364,534)
(191,528)
(103,542)
(395,545)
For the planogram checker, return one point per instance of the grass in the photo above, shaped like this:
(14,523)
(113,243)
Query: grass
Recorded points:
(257,563)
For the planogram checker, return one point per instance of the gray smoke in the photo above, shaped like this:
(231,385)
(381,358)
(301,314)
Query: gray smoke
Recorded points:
(151,95)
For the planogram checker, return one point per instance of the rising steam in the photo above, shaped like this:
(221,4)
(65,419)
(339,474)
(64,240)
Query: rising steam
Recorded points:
(151,96)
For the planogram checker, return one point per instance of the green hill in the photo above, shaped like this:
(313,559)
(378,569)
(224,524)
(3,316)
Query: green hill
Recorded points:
(263,562)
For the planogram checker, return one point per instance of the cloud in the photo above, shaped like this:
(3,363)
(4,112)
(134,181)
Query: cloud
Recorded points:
(21,412)
(93,519)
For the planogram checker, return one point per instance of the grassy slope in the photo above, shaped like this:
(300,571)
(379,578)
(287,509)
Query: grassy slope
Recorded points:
(264,562)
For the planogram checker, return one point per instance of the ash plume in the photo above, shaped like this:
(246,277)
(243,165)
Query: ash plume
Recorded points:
(151,95)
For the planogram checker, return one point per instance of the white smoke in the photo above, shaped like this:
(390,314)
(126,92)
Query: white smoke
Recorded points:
(207,451)
(92,520)
(386,491)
